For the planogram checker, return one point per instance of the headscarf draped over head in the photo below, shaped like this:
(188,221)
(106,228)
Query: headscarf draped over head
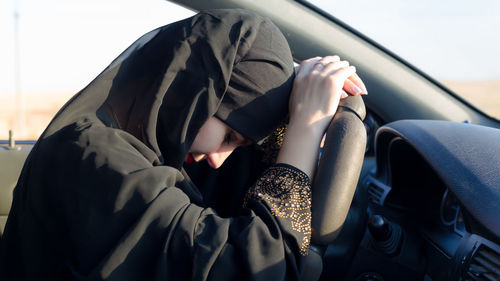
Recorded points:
(103,193)
(229,63)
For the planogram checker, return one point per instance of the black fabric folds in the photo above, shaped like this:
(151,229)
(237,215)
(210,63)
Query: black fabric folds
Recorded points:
(103,195)
(254,103)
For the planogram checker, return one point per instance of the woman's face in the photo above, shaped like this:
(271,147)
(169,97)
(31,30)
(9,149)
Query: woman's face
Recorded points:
(215,142)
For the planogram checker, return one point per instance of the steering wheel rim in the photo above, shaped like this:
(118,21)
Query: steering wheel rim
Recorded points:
(338,172)
(335,182)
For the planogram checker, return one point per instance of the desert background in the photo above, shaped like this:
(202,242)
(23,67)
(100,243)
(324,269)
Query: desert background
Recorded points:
(29,117)
(51,49)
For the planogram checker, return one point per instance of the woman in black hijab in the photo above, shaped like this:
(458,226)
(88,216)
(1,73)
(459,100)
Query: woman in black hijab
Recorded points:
(103,194)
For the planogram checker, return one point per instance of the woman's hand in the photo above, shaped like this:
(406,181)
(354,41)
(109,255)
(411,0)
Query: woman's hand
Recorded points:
(353,85)
(319,85)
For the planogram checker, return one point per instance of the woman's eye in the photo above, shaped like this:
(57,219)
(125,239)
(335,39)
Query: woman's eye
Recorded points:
(228,138)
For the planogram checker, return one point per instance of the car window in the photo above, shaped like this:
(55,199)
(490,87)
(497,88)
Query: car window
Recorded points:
(455,42)
(51,49)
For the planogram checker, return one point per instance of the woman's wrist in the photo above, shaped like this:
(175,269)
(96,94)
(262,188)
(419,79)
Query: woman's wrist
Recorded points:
(300,147)
(303,124)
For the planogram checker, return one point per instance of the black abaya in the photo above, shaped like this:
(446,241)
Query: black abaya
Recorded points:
(103,195)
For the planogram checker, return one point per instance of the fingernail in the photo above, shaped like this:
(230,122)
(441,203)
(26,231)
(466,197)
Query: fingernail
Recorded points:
(357,90)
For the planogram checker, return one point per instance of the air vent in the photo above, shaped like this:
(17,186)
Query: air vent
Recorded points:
(484,265)
(377,191)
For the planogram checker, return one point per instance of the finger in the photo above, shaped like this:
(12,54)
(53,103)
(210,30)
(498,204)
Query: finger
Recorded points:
(307,66)
(329,59)
(343,95)
(316,58)
(319,63)
(334,66)
(322,63)
(343,73)
(318,66)
(352,88)
(359,83)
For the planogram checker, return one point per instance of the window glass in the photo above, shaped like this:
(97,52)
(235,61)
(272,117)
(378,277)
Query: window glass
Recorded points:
(456,42)
(51,49)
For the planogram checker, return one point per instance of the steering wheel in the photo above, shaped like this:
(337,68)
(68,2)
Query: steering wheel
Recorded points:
(338,171)
(336,177)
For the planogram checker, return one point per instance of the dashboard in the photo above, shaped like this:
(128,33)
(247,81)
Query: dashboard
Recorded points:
(431,204)
(450,213)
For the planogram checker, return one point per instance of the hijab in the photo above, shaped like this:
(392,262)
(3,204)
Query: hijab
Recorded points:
(227,63)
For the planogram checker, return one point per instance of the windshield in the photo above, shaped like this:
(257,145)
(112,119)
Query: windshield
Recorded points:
(455,42)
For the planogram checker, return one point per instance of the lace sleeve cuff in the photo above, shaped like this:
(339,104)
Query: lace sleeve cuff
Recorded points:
(287,192)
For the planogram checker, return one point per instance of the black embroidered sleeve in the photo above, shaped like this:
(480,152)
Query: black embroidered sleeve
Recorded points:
(271,147)
(287,192)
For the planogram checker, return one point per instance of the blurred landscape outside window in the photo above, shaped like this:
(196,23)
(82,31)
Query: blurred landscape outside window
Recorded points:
(454,41)
(52,49)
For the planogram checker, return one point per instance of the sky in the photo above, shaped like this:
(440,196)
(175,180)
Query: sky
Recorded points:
(449,39)
(64,44)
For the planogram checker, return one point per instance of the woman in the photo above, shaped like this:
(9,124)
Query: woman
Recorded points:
(103,194)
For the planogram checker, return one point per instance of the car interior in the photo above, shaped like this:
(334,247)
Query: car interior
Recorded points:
(425,204)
